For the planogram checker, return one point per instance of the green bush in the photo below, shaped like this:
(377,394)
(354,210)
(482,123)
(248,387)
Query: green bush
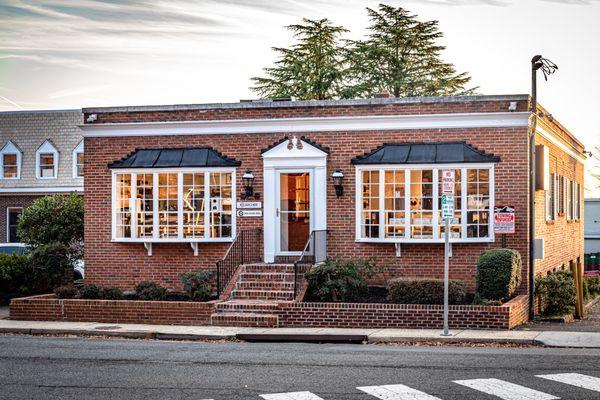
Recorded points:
(150,291)
(90,292)
(198,284)
(593,285)
(555,293)
(52,267)
(66,292)
(339,280)
(16,276)
(498,274)
(57,218)
(111,293)
(425,291)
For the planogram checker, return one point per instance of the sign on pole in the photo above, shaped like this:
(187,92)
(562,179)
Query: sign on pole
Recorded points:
(447,206)
(504,219)
(447,215)
(448,181)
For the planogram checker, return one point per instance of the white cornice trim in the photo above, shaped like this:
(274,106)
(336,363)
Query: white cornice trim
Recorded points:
(554,140)
(46,189)
(318,124)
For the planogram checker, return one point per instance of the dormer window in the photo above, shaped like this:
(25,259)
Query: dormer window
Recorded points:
(78,161)
(10,161)
(46,158)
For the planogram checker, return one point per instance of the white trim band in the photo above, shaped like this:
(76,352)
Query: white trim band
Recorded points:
(42,189)
(555,141)
(319,124)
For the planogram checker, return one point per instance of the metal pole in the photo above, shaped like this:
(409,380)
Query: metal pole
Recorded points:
(446,275)
(532,189)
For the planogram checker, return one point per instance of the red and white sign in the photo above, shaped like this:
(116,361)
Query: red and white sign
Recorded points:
(504,219)
(448,181)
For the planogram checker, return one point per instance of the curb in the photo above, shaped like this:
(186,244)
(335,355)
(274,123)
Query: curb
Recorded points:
(458,340)
(302,338)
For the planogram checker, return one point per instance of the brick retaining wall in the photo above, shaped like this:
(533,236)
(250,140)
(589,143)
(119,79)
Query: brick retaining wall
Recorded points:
(333,315)
(49,308)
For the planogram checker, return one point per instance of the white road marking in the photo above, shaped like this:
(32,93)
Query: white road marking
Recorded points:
(291,396)
(396,392)
(505,390)
(579,380)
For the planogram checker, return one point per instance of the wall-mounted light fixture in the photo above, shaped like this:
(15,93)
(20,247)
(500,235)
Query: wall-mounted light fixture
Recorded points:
(338,177)
(248,180)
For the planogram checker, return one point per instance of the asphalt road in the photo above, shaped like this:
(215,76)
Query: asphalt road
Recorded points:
(75,368)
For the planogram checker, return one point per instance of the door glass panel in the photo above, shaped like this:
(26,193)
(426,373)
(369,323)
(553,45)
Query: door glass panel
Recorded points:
(294,210)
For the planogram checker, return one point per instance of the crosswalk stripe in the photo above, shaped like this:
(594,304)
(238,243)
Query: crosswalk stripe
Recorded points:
(291,396)
(579,380)
(396,392)
(505,390)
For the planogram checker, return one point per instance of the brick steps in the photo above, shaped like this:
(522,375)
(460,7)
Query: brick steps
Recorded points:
(264,285)
(269,268)
(253,306)
(263,294)
(267,276)
(244,319)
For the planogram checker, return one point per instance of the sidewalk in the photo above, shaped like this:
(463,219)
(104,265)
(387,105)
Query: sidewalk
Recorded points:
(172,332)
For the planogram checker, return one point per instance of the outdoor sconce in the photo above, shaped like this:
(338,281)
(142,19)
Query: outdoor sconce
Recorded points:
(338,177)
(248,180)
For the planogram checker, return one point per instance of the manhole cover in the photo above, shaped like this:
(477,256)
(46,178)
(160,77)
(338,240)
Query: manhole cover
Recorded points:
(107,328)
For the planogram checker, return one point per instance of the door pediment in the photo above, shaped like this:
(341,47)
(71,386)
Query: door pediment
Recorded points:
(295,148)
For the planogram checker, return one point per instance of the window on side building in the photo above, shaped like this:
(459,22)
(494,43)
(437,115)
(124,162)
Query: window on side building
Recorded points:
(570,200)
(10,161)
(401,202)
(46,159)
(551,199)
(175,204)
(12,222)
(78,161)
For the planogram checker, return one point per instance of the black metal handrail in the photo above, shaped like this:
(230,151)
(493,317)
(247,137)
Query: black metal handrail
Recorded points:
(245,248)
(315,251)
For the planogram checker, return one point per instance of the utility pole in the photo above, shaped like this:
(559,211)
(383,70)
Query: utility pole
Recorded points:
(547,67)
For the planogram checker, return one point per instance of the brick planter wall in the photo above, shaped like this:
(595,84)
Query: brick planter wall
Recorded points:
(355,315)
(49,308)
(332,315)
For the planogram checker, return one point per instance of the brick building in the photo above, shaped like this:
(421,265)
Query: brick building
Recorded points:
(41,153)
(166,186)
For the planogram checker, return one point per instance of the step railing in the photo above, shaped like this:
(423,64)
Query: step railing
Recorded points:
(315,251)
(246,248)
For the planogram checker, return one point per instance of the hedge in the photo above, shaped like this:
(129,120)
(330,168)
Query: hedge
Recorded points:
(498,274)
(425,291)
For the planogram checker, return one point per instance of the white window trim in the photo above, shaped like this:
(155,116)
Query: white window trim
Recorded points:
(10,148)
(77,150)
(8,210)
(436,222)
(46,148)
(180,172)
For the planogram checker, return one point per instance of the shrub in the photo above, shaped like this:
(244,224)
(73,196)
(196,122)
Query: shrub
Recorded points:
(338,280)
(593,285)
(425,291)
(498,274)
(556,293)
(111,293)
(150,291)
(16,276)
(66,292)
(90,292)
(51,266)
(198,284)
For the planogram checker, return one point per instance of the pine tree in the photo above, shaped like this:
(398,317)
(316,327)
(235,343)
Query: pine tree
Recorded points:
(310,69)
(400,56)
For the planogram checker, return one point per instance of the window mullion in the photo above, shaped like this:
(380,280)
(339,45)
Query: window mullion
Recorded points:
(463,203)
(407,216)
(133,205)
(155,205)
(491,193)
(180,205)
(435,200)
(381,203)
(206,205)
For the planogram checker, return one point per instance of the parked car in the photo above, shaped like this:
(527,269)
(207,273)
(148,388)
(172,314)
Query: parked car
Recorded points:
(20,249)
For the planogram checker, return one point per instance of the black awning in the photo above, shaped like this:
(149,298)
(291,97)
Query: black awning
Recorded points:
(173,158)
(426,153)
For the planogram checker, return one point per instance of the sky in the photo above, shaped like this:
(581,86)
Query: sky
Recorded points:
(82,53)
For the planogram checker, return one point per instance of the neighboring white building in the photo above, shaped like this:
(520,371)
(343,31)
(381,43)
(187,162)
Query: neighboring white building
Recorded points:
(41,153)
(592,225)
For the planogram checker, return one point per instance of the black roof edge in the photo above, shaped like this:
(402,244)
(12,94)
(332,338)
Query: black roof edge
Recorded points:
(233,161)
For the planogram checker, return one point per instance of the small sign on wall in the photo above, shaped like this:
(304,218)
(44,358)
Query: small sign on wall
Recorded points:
(249,204)
(249,213)
(504,219)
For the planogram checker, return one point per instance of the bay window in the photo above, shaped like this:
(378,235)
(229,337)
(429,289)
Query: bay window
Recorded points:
(401,203)
(188,205)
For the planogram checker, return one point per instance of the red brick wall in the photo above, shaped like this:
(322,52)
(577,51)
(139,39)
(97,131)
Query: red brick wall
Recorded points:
(49,308)
(9,201)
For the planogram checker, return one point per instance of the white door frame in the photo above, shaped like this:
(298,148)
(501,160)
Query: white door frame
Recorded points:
(287,157)
(311,177)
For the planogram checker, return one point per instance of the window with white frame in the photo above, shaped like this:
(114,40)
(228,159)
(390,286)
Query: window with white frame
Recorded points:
(10,161)
(46,160)
(403,204)
(561,195)
(12,222)
(551,199)
(174,205)
(570,199)
(78,161)
(577,201)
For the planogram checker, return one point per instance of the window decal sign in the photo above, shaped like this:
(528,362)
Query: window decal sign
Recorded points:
(504,219)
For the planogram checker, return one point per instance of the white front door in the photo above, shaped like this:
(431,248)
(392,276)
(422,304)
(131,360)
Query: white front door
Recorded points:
(294,205)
